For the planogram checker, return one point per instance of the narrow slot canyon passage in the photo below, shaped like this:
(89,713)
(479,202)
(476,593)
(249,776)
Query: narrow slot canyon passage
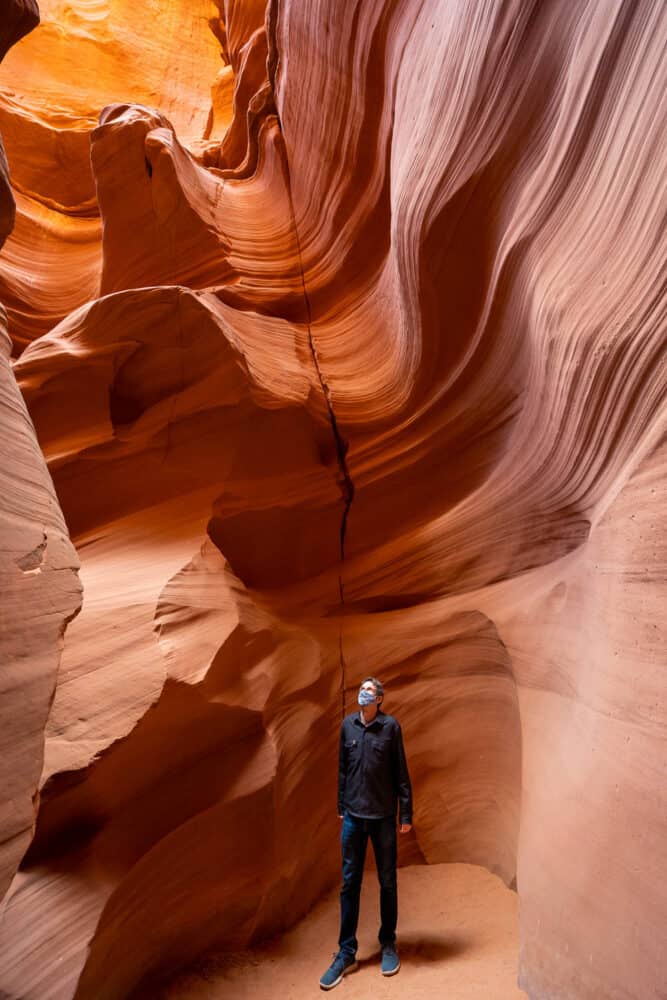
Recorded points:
(333,410)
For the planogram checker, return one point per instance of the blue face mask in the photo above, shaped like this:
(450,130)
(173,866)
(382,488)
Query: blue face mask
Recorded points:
(366,697)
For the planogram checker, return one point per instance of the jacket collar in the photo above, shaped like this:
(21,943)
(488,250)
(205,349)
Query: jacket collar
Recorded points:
(380,717)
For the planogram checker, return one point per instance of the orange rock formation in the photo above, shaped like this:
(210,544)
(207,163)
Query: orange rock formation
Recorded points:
(342,331)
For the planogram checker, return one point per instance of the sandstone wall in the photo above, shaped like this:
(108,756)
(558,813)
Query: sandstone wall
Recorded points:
(343,333)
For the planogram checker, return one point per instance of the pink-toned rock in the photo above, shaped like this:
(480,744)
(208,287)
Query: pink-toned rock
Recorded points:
(40,594)
(361,370)
(38,578)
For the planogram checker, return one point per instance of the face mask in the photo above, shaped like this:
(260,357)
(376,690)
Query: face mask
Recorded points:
(366,697)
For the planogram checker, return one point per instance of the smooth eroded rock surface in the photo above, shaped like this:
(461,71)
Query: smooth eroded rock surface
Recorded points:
(39,586)
(342,328)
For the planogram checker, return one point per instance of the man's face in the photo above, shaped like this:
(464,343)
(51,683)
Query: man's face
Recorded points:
(370,689)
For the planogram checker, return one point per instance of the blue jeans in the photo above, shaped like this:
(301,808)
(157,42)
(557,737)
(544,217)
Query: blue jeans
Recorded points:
(354,838)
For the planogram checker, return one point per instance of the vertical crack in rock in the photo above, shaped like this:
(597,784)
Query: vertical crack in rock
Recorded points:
(344,480)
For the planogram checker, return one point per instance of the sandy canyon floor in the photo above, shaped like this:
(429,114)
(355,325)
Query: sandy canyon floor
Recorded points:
(458,939)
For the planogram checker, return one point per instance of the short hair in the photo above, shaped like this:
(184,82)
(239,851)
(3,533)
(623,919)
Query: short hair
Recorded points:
(379,686)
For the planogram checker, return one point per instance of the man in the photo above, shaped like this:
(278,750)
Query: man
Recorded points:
(372,779)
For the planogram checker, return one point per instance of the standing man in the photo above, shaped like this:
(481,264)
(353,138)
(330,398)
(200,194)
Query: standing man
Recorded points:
(372,780)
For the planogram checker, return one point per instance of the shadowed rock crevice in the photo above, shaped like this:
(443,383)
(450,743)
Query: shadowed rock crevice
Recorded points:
(345,483)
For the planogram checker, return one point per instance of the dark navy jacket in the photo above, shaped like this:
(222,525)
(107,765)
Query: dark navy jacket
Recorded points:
(372,770)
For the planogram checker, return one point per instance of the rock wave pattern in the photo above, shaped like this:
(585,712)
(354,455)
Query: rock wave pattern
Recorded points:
(342,329)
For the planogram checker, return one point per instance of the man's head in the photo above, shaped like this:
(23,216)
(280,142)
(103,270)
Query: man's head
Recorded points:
(371,686)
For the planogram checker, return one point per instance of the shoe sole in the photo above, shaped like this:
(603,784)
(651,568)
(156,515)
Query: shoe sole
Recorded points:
(393,971)
(350,968)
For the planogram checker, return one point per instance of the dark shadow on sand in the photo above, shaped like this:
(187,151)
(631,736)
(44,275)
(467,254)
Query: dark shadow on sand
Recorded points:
(425,948)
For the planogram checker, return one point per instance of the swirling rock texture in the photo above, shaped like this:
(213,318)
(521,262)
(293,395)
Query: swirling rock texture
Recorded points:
(342,330)
(38,564)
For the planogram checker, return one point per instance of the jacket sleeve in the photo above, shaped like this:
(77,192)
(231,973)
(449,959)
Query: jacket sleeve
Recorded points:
(341,773)
(404,788)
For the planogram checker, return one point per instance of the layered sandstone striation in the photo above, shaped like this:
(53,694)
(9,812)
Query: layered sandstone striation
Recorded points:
(343,334)
(38,570)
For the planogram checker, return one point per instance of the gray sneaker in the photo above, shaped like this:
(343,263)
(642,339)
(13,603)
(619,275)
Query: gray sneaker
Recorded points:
(341,965)
(391,963)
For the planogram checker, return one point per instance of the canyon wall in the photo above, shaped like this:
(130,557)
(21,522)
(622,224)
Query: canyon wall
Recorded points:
(38,569)
(342,331)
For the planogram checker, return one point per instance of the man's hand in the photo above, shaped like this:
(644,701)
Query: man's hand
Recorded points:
(340,815)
